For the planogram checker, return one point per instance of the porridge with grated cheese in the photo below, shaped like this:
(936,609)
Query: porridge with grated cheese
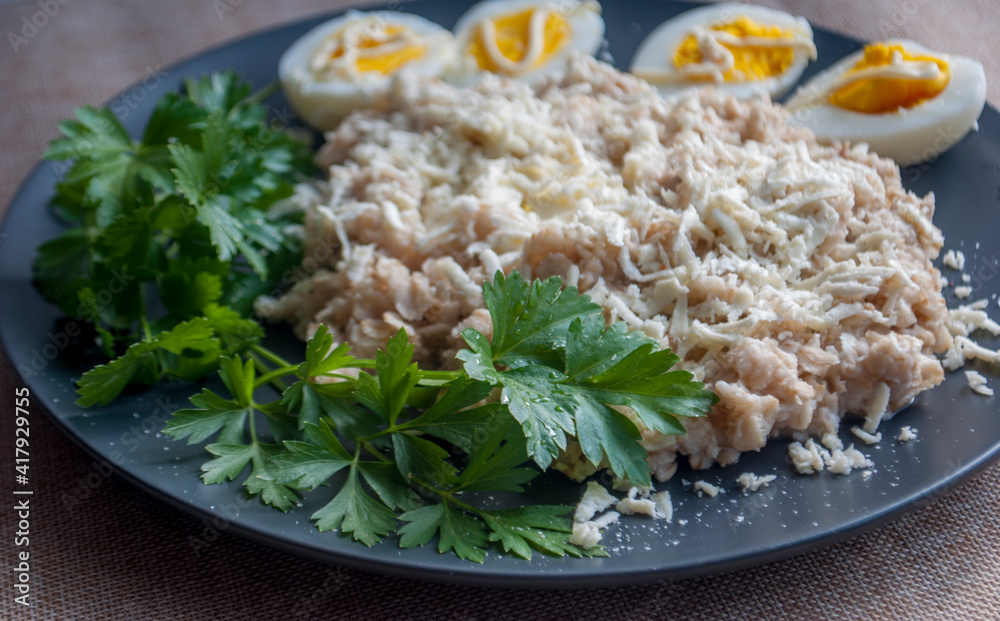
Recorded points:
(794,279)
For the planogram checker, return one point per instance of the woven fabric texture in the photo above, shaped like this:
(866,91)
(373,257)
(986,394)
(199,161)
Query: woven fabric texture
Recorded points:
(120,554)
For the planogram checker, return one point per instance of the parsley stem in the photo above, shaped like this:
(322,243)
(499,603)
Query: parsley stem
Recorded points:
(361,363)
(262,94)
(388,431)
(442,375)
(415,481)
(272,377)
(458,503)
(377,455)
(267,354)
(147,334)
(253,425)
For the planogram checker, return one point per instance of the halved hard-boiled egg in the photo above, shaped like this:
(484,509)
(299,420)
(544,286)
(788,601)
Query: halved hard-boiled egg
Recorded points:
(349,62)
(744,50)
(527,39)
(907,102)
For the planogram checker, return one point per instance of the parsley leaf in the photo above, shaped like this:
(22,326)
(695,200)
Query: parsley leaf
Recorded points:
(229,418)
(322,357)
(229,462)
(62,267)
(569,388)
(528,394)
(281,497)
(311,399)
(102,384)
(494,466)
(140,364)
(185,207)
(233,332)
(214,413)
(211,414)
(355,512)
(231,459)
(116,171)
(542,527)
(457,531)
(214,211)
(452,417)
(637,376)
(530,320)
(188,286)
(422,459)
(386,393)
(309,464)
(390,487)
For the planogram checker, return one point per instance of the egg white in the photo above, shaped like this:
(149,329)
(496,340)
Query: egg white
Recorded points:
(656,51)
(323,101)
(586,35)
(908,135)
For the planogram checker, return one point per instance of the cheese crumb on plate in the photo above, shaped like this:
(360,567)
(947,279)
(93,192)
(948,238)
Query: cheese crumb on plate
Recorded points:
(751,482)
(707,488)
(978,383)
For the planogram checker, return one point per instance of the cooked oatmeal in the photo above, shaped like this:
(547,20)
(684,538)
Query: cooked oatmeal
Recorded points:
(794,279)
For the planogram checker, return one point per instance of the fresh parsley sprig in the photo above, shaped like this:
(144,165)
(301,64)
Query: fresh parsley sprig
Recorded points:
(395,461)
(183,213)
(564,370)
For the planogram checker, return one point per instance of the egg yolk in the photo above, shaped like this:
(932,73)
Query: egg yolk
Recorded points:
(751,62)
(878,95)
(513,38)
(385,63)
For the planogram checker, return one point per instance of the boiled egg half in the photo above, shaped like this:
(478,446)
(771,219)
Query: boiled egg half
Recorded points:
(526,39)
(907,102)
(744,50)
(349,62)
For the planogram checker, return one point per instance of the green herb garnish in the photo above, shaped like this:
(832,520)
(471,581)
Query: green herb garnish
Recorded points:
(407,460)
(183,212)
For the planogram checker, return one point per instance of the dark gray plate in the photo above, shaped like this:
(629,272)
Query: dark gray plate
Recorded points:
(959,432)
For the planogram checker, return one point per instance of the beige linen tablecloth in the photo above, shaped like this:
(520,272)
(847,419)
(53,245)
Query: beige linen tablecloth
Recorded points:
(120,554)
